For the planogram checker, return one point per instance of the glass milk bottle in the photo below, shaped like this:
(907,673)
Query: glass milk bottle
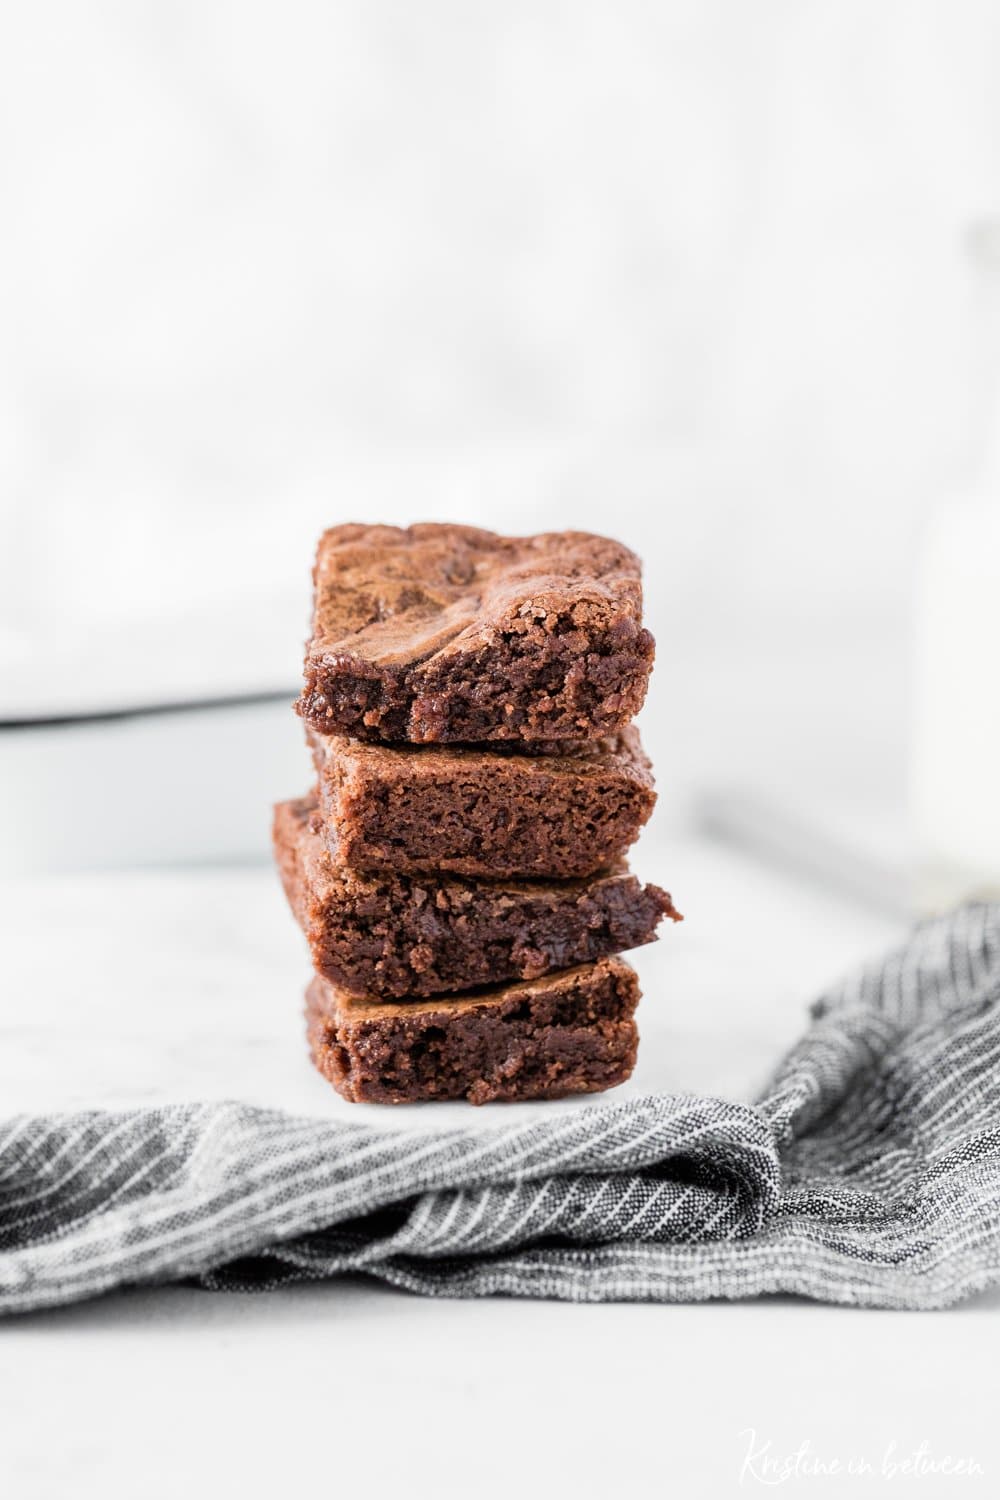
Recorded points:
(955,780)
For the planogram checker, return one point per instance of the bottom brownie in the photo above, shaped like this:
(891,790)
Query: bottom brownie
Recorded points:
(569,1033)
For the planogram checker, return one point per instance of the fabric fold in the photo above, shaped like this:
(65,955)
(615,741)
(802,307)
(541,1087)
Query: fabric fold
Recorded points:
(867,1173)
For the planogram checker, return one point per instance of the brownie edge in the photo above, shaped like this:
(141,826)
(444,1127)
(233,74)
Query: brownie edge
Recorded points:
(568,1033)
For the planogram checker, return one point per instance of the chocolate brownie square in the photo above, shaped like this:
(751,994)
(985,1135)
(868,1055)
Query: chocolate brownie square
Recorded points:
(570,1033)
(427,809)
(443,633)
(390,935)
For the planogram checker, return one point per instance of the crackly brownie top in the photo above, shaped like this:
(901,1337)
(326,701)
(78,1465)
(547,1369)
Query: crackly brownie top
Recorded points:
(613,970)
(392,595)
(620,753)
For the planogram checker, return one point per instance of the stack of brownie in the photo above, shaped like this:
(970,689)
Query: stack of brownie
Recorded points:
(458,870)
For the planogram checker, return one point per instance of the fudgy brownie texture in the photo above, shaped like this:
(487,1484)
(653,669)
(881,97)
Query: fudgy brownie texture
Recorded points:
(421,810)
(571,1033)
(392,936)
(447,633)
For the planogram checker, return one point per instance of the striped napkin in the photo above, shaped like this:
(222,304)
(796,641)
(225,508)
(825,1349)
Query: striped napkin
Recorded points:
(867,1173)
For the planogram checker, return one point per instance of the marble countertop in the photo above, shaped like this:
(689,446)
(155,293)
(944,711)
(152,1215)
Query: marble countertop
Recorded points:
(145,987)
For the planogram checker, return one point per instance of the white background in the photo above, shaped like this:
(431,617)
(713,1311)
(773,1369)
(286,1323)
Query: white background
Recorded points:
(695,274)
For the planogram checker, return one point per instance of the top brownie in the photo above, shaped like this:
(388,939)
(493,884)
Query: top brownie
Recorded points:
(438,633)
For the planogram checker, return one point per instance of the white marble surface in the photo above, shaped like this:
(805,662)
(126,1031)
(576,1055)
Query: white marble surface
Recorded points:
(130,988)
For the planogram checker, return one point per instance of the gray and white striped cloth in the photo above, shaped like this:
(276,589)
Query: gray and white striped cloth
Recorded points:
(867,1173)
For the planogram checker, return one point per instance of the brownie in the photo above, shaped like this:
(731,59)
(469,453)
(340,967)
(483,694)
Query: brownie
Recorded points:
(571,1033)
(442,633)
(423,809)
(391,935)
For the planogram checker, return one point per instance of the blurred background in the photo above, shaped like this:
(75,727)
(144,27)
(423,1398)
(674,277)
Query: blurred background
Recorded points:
(714,278)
